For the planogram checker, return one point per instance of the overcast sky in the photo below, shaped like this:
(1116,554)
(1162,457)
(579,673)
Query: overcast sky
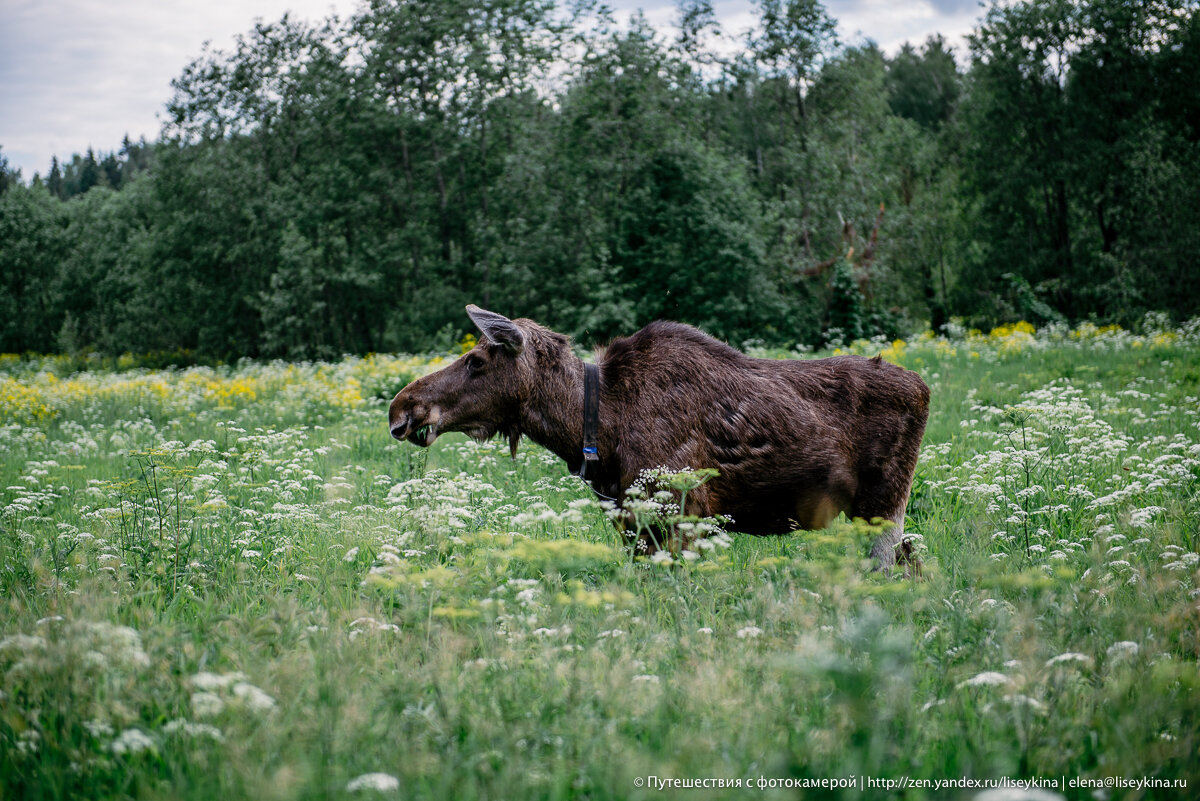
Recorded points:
(80,73)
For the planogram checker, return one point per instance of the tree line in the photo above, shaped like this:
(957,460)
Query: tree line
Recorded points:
(349,186)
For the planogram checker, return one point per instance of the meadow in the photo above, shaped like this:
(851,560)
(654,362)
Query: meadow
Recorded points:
(229,582)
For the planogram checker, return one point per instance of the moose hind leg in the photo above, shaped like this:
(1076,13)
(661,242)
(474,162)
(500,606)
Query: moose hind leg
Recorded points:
(890,546)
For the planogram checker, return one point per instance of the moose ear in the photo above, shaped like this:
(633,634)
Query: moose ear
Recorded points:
(498,328)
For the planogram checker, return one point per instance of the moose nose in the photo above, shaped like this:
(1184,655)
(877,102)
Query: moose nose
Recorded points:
(399,427)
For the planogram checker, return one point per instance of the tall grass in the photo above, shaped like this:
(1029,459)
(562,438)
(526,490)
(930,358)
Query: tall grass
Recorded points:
(229,582)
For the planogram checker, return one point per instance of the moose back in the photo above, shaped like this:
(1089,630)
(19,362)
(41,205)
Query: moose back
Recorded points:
(794,442)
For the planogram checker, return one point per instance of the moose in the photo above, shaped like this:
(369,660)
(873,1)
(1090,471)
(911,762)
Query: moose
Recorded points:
(794,442)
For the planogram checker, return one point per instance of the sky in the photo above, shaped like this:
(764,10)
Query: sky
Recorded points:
(76,74)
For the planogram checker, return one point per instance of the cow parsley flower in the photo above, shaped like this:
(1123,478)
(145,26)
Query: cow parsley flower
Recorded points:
(1067,658)
(367,625)
(98,728)
(254,698)
(188,729)
(216,681)
(206,704)
(989,678)
(1121,649)
(379,782)
(527,596)
(1019,700)
(132,741)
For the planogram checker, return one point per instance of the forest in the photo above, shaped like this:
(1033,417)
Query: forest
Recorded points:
(342,188)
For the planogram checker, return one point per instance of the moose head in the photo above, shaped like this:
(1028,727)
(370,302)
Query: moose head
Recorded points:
(483,392)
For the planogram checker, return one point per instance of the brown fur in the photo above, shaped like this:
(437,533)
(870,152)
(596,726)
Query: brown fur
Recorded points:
(795,442)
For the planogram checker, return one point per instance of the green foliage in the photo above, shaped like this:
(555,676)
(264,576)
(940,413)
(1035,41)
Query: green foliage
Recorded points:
(31,230)
(347,187)
(231,583)
(845,305)
(1072,148)
(924,87)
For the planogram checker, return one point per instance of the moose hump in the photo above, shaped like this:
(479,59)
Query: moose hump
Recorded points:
(795,442)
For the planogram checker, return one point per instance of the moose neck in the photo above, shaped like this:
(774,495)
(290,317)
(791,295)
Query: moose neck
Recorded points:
(553,415)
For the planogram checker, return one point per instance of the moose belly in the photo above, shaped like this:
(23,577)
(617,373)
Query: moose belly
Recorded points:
(784,511)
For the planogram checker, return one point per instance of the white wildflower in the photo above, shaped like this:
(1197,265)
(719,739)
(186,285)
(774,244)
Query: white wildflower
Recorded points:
(132,741)
(749,631)
(1140,518)
(29,741)
(366,625)
(98,728)
(21,643)
(1017,699)
(215,681)
(254,698)
(118,645)
(1067,658)
(189,729)
(379,782)
(989,678)
(1122,649)
(206,704)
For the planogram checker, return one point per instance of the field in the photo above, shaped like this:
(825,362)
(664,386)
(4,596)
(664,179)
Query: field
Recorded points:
(231,583)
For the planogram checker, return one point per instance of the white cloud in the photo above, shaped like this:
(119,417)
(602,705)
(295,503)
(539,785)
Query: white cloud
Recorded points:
(79,73)
(76,73)
(890,24)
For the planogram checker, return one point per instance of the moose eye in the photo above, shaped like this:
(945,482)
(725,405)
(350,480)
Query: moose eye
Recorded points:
(474,365)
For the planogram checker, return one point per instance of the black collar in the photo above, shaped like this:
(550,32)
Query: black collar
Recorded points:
(591,417)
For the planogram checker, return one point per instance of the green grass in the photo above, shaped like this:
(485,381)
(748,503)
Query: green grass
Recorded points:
(247,590)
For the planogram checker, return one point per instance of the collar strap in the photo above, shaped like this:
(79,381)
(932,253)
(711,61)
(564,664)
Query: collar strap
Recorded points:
(591,417)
